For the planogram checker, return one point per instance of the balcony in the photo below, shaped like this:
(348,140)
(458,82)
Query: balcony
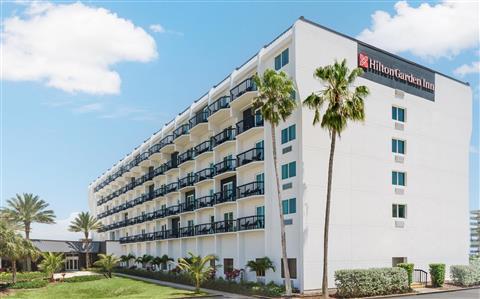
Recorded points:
(172,210)
(204,174)
(184,157)
(202,148)
(218,110)
(172,187)
(252,155)
(204,229)
(227,134)
(251,223)
(167,146)
(171,165)
(143,159)
(205,201)
(199,122)
(181,134)
(186,182)
(227,165)
(188,206)
(225,226)
(254,122)
(250,189)
(243,94)
(225,196)
(188,231)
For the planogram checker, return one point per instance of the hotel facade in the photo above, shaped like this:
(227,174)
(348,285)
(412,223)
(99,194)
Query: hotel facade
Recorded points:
(205,182)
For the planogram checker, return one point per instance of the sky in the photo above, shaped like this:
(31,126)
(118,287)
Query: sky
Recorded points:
(84,83)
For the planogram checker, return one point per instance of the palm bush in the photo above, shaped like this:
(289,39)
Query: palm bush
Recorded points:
(85,223)
(197,268)
(127,258)
(107,262)
(51,263)
(144,260)
(261,265)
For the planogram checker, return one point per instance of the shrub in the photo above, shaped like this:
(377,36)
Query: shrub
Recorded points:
(83,278)
(437,274)
(466,275)
(21,276)
(371,282)
(33,284)
(409,268)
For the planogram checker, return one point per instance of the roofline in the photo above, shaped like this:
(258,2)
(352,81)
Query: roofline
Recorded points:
(302,18)
(48,240)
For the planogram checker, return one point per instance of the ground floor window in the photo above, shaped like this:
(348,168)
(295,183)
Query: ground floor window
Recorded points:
(292,267)
(399,211)
(227,265)
(398,260)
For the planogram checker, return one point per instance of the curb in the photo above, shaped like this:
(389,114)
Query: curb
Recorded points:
(426,293)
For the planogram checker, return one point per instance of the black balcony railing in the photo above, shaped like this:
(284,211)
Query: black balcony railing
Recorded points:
(204,229)
(225,165)
(203,147)
(189,180)
(244,86)
(199,118)
(252,155)
(248,123)
(225,196)
(186,156)
(170,164)
(188,206)
(225,226)
(205,201)
(251,222)
(204,174)
(187,231)
(172,187)
(167,140)
(221,103)
(250,189)
(226,135)
(172,210)
(182,130)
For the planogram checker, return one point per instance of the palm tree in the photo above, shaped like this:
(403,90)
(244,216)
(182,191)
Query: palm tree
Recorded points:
(127,258)
(15,247)
(344,103)
(165,260)
(144,259)
(260,266)
(276,104)
(51,263)
(197,267)
(27,209)
(85,223)
(107,262)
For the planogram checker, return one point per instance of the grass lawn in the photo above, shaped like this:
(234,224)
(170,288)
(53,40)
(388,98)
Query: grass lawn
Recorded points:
(116,287)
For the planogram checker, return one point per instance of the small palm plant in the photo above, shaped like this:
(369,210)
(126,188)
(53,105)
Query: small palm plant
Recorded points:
(165,260)
(276,104)
(197,267)
(85,223)
(344,103)
(127,258)
(26,209)
(51,263)
(144,260)
(107,262)
(261,265)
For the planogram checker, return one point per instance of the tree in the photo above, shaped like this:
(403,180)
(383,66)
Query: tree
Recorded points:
(197,267)
(107,262)
(127,258)
(144,259)
(51,263)
(276,104)
(25,210)
(85,223)
(261,265)
(15,247)
(344,103)
(165,259)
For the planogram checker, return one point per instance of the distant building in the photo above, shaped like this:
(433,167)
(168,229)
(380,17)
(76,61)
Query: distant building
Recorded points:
(475,232)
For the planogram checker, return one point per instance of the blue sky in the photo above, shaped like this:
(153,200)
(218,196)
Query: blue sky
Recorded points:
(63,124)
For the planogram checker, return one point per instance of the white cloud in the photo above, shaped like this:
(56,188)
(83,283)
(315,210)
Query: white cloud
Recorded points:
(72,47)
(157,28)
(428,31)
(89,108)
(467,69)
(57,231)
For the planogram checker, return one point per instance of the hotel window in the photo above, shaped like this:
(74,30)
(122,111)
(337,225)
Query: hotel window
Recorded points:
(288,134)
(398,146)
(289,170)
(289,206)
(398,114)
(399,211)
(281,60)
(292,267)
(227,265)
(398,178)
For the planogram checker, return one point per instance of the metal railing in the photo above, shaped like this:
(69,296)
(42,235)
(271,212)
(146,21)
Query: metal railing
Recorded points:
(250,189)
(203,147)
(225,165)
(420,276)
(226,135)
(248,123)
(225,196)
(185,156)
(204,174)
(243,87)
(254,154)
(199,118)
(182,130)
(221,103)
(189,180)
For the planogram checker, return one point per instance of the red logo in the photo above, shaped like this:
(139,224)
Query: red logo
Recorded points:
(363,60)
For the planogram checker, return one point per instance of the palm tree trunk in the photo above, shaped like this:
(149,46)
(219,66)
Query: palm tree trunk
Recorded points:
(87,257)
(14,271)
(283,239)
(29,259)
(327,217)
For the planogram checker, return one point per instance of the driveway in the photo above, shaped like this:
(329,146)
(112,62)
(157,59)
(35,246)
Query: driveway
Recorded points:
(466,294)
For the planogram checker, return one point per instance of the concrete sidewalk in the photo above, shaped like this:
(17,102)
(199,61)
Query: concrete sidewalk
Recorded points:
(216,294)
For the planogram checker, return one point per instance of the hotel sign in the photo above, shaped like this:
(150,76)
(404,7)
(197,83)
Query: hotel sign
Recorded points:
(388,70)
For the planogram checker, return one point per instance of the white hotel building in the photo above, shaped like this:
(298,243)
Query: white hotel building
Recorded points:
(204,183)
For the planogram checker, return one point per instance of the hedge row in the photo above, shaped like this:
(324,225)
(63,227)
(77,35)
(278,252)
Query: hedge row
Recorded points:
(84,278)
(33,284)
(371,282)
(466,275)
(21,276)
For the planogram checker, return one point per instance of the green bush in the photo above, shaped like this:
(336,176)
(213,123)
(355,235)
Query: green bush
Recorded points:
(437,274)
(409,268)
(21,276)
(466,275)
(33,284)
(83,278)
(371,282)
